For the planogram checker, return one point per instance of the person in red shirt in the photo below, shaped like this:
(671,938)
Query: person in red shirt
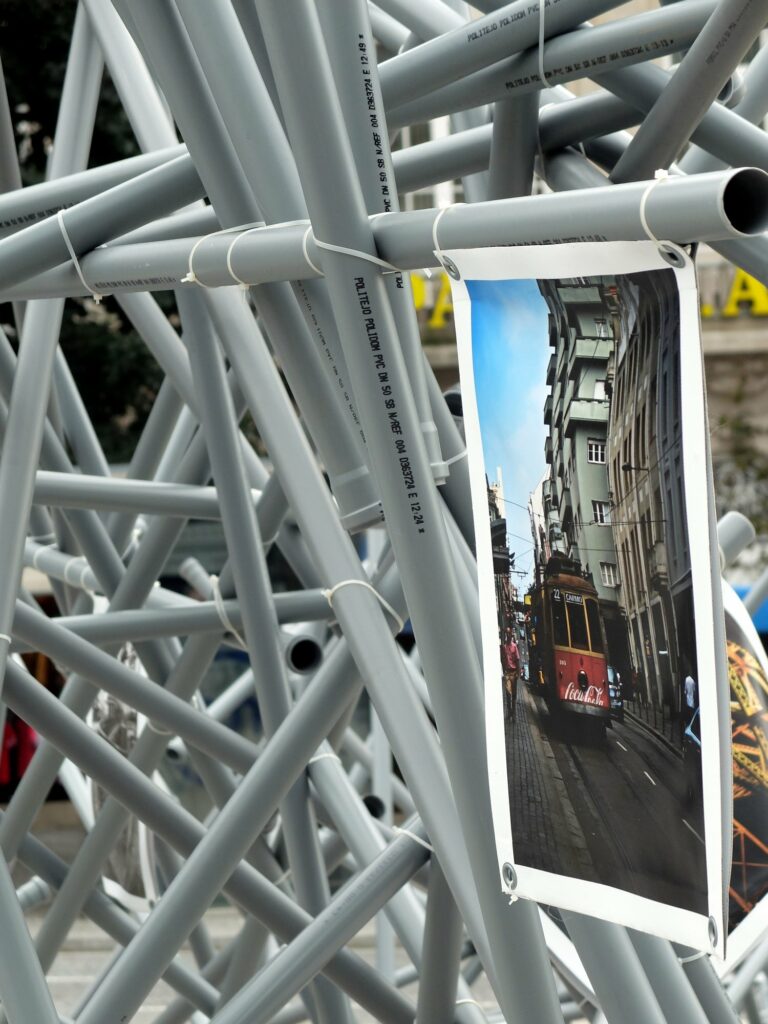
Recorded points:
(510,664)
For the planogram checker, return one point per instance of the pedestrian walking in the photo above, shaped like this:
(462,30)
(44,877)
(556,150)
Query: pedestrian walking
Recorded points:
(510,663)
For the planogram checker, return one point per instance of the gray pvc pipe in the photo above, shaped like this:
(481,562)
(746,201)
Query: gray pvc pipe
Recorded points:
(371,645)
(752,107)
(153,701)
(10,174)
(185,833)
(89,861)
(513,28)
(154,192)
(621,986)
(260,627)
(708,988)
(386,30)
(232,182)
(703,71)
(734,533)
(513,146)
(146,111)
(614,44)
(369,890)
(667,979)
(416,530)
(443,938)
(68,490)
(704,207)
(36,202)
(348,31)
(427,19)
(105,913)
(720,131)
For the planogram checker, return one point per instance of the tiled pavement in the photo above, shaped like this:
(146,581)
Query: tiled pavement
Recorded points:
(87,950)
(545,829)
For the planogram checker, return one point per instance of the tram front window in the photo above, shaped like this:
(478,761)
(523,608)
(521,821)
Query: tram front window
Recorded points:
(559,624)
(578,622)
(595,632)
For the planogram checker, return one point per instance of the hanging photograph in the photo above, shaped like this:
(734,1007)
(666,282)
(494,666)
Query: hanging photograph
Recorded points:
(582,384)
(748,678)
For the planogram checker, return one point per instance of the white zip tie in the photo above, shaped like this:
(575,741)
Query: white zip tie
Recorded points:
(36,555)
(331,593)
(386,213)
(83,585)
(542,75)
(136,534)
(222,611)
(254,227)
(158,730)
(49,537)
(659,176)
(305,251)
(469,1002)
(376,260)
(191,277)
(4,636)
(435,224)
(73,256)
(455,458)
(329,754)
(71,561)
(690,959)
(413,836)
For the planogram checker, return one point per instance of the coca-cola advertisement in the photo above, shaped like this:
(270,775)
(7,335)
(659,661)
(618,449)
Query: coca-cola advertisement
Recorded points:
(748,681)
(584,413)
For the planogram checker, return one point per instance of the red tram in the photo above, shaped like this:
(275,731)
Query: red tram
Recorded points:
(567,642)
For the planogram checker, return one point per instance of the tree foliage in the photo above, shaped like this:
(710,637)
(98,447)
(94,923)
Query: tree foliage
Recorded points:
(117,376)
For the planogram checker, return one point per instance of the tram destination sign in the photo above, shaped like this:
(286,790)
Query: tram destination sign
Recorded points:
(603,651)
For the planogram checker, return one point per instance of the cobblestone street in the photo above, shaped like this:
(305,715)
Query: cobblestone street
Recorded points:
(611,811)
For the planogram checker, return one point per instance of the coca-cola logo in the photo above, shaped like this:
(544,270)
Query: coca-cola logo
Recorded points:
(592,694)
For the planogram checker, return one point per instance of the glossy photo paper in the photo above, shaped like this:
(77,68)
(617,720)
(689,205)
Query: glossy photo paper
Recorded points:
(584,410)
(748,680)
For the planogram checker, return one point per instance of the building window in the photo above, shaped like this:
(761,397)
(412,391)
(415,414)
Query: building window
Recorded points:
(608,574)
(599,394)
(601,513)
(595,450)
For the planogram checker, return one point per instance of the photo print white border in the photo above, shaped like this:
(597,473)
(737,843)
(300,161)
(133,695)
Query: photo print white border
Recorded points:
(749,931)
(593,259)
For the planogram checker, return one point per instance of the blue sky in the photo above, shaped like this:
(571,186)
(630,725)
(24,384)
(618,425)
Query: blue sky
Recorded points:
(510,355)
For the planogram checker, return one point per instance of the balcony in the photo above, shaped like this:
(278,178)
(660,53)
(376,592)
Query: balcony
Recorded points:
(657,566)
(580,295)
(584,413)
(564,507)
(552,330)
(550,492)
(551,369)
(562,363)
(548,450)
(548,410)
(588,350)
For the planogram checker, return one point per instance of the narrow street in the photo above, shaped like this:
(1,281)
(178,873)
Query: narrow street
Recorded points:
(611,811)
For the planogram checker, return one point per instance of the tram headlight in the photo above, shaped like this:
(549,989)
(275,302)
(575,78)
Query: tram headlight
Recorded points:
(582,679)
